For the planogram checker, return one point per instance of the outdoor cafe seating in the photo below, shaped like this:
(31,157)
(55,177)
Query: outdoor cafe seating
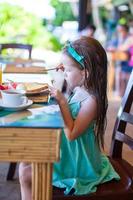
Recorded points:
(122,189)
(18,58)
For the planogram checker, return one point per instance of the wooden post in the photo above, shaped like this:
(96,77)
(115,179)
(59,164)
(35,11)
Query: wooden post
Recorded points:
(82,14)
(42,190)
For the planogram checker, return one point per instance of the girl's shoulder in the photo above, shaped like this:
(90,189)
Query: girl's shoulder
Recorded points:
(80,94)
(82,101)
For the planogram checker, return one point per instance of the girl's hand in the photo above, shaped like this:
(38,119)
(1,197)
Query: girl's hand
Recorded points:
(60,67)
(57,95)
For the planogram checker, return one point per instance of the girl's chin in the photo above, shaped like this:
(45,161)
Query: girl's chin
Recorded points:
(69,86)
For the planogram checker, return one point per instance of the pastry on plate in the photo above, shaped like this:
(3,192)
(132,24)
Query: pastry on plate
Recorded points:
(33,88)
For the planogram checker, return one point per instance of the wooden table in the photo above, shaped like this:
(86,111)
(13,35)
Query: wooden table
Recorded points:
(19,65)
(27,70)
(32,136)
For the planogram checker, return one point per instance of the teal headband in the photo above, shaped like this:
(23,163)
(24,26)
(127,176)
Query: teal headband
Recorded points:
(75,54)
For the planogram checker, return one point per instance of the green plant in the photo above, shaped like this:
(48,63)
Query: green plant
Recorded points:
(17,25)
(63,12)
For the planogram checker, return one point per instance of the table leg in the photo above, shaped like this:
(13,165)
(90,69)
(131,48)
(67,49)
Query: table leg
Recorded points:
(41,181)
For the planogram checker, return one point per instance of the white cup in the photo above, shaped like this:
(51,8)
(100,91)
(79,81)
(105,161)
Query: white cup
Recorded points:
(13,98)
(57,79)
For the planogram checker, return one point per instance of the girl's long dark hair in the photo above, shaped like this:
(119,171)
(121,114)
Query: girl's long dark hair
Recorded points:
(95,62)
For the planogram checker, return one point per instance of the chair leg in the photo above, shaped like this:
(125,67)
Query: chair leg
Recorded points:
(11,171)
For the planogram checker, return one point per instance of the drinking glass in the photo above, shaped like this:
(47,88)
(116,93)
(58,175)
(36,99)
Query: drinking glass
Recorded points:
(2,67)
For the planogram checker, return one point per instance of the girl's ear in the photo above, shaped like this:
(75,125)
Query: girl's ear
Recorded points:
(83,72)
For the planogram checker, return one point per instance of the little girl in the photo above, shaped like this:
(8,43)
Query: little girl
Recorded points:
(82,166)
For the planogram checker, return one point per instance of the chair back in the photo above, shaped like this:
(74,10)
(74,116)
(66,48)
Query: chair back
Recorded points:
(27,47)
(124,117)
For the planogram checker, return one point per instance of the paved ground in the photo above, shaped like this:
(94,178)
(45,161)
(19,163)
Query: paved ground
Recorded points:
(8,190)
(11,190)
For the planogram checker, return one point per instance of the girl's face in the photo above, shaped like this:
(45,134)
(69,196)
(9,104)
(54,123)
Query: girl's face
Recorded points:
(73,75)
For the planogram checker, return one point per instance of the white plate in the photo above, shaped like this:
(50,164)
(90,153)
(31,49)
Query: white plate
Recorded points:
(16,108)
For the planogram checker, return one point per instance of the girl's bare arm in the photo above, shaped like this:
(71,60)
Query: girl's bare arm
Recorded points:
(87,113)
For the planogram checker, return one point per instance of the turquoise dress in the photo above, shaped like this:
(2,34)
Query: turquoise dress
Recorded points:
(82,166)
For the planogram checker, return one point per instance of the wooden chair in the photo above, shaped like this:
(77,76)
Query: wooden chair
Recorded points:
(122,189)
(27,47)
